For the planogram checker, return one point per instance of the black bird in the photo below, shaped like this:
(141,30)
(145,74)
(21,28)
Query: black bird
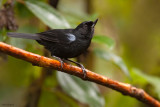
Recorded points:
(64,43)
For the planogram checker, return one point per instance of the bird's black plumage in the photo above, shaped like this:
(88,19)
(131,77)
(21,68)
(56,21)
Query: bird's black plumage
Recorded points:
(64,43)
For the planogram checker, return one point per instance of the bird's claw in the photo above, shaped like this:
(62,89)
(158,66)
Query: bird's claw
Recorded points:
(61,63)
(60,60)
(79,64)
(82,67)
(83,70)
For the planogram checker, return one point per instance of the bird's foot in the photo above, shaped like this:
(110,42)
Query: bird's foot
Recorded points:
(84,71)
(60,60)
(82,67)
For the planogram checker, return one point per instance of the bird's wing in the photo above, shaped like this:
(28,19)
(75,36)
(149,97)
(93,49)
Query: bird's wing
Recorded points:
(57,35)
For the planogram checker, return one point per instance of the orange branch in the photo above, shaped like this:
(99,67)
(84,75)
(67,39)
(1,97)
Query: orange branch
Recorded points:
(42,61)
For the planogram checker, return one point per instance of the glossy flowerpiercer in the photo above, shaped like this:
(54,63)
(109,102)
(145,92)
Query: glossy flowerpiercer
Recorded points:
(64,43)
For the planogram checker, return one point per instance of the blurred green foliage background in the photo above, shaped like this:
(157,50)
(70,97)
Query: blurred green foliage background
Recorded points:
(126,47)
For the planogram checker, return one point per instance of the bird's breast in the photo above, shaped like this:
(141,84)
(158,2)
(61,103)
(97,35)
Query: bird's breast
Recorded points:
(72,50)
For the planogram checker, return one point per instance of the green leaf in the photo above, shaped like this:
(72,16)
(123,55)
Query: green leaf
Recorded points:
(113,58)
(48,99)
(153,80)
(3,36)
(83,91)
(2,2)
(47,14)
(67,99)
(104,40)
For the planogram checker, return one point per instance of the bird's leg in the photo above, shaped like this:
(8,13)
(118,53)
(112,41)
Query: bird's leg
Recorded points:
(60,60)
(80,65)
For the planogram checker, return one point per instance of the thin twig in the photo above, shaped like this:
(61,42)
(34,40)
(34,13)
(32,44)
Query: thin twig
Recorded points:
(42,61)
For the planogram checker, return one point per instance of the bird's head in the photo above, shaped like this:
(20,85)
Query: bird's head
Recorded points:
(86,28)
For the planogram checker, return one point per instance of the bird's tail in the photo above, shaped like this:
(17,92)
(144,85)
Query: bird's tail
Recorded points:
(23,35)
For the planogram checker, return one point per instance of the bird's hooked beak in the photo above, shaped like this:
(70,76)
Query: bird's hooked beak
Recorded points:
(94,23)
